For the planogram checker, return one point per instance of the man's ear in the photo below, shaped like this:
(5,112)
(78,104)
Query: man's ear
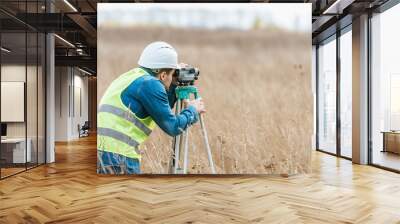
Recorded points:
(162,75)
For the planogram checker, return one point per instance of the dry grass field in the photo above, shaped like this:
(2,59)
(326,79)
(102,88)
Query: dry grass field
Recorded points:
(256,86)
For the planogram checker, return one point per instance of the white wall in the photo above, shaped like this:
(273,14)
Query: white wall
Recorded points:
(61,103)
(79,117)
(70,83)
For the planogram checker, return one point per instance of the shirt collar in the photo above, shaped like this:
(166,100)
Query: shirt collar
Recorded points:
(149,71)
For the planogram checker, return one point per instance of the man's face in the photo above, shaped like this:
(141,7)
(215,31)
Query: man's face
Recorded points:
(166,78)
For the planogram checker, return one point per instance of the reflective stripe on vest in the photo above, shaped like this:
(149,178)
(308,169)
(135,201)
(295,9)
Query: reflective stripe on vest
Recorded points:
(119,136)
(127,116)
(119,130)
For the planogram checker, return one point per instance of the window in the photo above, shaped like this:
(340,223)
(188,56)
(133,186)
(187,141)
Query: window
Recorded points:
(346,93)
(327,96)
(385,89)
(23,77)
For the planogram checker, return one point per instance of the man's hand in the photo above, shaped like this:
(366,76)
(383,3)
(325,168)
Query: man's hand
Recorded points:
(197,103)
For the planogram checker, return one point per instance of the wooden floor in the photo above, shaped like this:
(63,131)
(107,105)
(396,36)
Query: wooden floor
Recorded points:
(70,191)
(5,172)
(387,159)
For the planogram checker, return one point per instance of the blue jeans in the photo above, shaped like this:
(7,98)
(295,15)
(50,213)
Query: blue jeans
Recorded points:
(113,163)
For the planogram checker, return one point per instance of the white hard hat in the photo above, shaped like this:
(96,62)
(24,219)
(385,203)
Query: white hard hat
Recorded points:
(159,55)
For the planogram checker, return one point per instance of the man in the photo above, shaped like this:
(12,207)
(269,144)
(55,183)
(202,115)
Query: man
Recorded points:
(134,103)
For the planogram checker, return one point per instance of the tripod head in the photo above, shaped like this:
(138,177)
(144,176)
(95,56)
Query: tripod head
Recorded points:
(183,92)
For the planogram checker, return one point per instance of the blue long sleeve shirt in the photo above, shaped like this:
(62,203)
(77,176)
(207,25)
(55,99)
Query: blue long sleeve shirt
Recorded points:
(147,96)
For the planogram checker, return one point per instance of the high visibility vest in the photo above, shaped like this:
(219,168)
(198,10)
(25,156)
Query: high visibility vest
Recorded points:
(118,129)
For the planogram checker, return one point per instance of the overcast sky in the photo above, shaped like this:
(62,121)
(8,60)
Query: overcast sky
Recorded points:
(293,16)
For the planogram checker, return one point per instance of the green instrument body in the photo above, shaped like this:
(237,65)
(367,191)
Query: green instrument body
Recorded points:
(183,92)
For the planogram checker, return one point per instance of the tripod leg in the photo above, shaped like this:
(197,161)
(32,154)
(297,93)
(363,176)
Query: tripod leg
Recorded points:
(204,131)
(177,141)
(186,151)
(174,140)
(181,135)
